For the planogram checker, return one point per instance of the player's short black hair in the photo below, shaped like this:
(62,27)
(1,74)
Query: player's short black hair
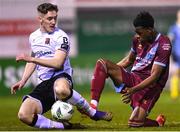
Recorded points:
(144,19)
(45,7)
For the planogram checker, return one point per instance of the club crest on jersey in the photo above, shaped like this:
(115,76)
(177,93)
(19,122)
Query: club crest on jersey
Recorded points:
(47,41)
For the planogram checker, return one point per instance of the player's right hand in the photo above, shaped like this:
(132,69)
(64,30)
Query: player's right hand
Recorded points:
(23,57)
(17,86)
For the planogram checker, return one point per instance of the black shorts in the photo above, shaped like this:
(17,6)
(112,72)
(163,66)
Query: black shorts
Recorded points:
(44,92)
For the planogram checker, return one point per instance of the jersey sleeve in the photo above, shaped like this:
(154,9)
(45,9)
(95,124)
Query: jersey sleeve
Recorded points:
(163,53)
(63,43)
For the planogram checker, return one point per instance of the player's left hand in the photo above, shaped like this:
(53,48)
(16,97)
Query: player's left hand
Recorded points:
(23,57)
(126,96)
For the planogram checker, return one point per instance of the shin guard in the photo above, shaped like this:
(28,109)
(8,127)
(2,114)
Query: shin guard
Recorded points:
(98,80)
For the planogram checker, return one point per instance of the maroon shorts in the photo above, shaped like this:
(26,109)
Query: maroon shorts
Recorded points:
(145,98)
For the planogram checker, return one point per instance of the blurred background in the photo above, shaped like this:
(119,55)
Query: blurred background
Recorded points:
(97,28)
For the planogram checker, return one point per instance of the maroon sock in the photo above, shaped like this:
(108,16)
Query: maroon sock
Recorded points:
(98,80)
(146,123)
(150,123)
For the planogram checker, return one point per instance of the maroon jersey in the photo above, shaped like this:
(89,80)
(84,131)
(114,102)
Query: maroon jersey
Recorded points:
(149,54)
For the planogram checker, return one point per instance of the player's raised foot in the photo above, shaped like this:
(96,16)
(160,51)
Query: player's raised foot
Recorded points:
(67,125)
(161,119)
(100,115)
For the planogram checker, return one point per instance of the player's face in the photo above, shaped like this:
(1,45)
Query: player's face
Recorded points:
(48,21)
(145,34)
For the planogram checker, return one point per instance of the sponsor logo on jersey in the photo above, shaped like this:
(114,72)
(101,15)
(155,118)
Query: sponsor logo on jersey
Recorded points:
(166,47)
(42,53)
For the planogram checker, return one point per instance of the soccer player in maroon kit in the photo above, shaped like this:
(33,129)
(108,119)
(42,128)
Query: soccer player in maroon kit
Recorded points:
(142,86)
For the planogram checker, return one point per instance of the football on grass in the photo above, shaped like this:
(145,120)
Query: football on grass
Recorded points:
(62,111)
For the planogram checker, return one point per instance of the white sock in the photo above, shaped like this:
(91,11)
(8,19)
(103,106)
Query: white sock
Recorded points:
(81,103)
(43,122)
(94,102)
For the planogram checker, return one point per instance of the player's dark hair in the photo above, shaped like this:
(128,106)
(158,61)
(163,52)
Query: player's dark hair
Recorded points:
(144,19)
(45,7)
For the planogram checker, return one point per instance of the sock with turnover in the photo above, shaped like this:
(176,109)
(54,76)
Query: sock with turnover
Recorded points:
(98,81)
(41,121)
(81,103)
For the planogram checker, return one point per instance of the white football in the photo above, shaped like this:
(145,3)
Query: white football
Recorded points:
(62,111)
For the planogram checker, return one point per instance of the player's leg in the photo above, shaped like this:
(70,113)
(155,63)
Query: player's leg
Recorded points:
(174,86)
(28,109)
(30,113)
(179,76)
(175,78)
(138,119)
(98,81)
(174,81)
(103,69)
(178,70)
(64,92)
(142,103)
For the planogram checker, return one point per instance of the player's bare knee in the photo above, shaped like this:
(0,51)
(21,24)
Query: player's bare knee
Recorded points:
(102,61)
(62,92)
(102,64)
(24,117)
(62,88)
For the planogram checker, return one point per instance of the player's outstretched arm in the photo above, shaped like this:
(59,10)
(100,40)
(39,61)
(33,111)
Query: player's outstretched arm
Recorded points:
(17,86)
(29,69)
(55,62)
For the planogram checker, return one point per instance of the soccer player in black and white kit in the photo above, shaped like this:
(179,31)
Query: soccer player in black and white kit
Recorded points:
(50,48)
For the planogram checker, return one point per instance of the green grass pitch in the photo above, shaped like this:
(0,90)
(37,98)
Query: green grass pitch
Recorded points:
(109,102)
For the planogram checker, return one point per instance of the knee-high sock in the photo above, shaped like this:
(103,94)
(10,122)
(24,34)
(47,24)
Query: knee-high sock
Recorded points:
(146,123)
(150,123)
(42,122)
(98,81)
(81,103)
